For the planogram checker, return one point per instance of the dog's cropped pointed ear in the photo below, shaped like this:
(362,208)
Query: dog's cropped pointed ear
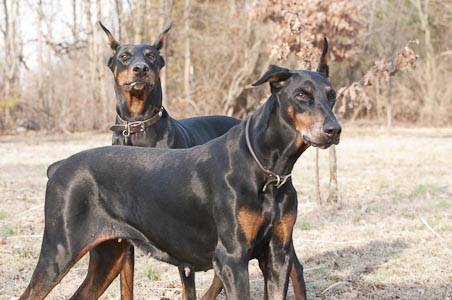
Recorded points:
(111,40)
(275,76)
(161,40)
(323,62)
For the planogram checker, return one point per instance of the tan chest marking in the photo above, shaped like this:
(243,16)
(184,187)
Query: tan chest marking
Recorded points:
(249,222)
(134,104)
(283,230)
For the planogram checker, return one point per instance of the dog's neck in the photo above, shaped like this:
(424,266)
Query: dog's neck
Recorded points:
(131,106)
(275,142)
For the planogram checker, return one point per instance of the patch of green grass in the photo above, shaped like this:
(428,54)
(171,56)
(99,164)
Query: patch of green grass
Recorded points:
(24,254)
(3,215)
(6,231)
(152,274)
(384,185)
(423,189)
(305,225)
(397,198)
(357,218)
(446,228)
(420,190)
(442,205)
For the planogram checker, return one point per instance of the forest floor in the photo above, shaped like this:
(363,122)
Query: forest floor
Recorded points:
(390,237)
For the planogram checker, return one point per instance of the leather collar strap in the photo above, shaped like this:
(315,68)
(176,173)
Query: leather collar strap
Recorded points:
(273,178)
(128,128)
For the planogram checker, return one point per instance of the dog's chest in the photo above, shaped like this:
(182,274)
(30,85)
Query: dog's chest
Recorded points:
(272,220)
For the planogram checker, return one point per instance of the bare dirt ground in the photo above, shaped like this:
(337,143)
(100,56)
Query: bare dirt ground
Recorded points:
(390,237)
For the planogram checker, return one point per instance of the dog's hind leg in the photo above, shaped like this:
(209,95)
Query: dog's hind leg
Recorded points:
(54,262)
(126,275)
(105,262)
(188,284)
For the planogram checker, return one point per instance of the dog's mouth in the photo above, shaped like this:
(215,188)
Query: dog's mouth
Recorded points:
(321,145)
(137,85)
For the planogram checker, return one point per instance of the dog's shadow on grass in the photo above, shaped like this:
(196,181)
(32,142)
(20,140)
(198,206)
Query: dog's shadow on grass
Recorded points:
(361,272)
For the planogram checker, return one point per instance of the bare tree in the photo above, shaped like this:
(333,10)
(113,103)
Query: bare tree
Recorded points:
(11,93)
(120,16)
(138,21)
(164,11)
(248,64)
(40,53)
(333,189)
(187,66)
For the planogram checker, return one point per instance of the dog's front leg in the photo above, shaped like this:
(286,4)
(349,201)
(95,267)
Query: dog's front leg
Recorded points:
(231,266)
(277,267)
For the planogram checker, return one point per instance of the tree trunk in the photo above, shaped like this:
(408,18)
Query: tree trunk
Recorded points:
(120,15)
(40,75)
(11,63)
(333,189)
(138,22)
(378,99)
(104,106)
(164,10)
(317,178)
(91,74)
(187,66)
(430,64)
(389,105)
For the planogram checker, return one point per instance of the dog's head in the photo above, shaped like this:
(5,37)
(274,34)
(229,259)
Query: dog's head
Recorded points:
(305,100)
(136,68)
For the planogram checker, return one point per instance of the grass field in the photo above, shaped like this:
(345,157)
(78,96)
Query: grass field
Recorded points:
(390,237)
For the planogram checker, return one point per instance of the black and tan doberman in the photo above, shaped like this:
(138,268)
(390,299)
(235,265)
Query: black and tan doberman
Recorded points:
(142,121)
(216,205)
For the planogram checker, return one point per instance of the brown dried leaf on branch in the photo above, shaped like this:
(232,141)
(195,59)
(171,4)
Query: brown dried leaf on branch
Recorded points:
(355,95)
(300,27)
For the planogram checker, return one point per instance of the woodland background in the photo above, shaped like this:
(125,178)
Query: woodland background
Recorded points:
(388,234)
(53,57)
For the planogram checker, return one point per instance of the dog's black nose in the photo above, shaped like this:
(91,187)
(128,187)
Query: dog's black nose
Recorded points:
(332,128)
(140,69)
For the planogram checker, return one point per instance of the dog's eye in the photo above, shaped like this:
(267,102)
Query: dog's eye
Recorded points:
(151,57)
(331,95)
(300,96)
(124,56)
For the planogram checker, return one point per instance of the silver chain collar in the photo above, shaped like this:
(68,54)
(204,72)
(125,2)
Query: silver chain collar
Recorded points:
(273,178)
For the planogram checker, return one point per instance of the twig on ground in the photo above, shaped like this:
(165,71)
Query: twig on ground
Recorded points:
(314,269)
(333,286)
(432,230)
(333,242)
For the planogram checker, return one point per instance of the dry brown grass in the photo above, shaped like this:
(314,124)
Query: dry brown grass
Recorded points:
(376,245)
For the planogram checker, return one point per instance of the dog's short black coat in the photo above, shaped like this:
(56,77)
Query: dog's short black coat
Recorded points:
(136,70)
(198,208)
